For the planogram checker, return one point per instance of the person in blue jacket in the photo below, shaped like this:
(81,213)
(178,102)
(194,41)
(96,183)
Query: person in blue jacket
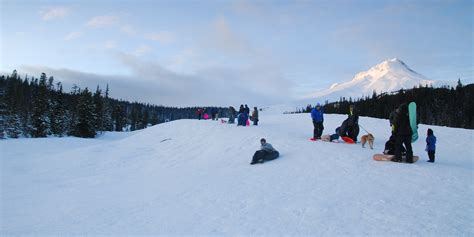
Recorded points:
(317,114)
(431,145)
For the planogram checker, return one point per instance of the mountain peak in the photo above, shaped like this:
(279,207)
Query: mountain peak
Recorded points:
(390,65)
(389,75)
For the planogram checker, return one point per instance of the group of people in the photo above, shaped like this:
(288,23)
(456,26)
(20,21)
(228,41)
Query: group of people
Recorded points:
(399,143)
(207,113)
(349,127)
(243,115)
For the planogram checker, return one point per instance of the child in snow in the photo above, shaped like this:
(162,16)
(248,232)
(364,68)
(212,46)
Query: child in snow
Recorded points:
(431,145)
(266,153)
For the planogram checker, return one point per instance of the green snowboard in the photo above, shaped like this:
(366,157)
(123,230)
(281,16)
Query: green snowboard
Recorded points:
(413,125)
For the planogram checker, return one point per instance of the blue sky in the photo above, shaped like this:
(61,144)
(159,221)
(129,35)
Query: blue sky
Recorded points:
(231,52)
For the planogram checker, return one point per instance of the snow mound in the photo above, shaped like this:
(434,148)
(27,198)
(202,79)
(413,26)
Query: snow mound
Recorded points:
(191,177)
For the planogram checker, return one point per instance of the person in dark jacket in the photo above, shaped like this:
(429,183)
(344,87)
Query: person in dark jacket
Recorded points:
(317,114)
(199,113)
(266,153)
(403,135)
(392,117)
(350,126)
(240,116)
(431,145)
(353,123)
(254,116)
(232,113)
(247,109)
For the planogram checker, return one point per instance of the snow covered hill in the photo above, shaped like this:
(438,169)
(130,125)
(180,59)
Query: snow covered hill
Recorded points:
(390,75)
(192,177)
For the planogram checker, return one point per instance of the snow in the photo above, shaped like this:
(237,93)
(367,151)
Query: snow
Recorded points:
(390,75)
(191,177)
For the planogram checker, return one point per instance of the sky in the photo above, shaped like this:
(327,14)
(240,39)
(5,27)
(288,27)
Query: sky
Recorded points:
(186,53)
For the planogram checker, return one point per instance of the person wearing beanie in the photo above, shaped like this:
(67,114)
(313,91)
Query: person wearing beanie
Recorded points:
(431,145)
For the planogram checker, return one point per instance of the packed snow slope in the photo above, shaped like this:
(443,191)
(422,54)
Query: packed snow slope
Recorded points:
(390,75)
(193,177)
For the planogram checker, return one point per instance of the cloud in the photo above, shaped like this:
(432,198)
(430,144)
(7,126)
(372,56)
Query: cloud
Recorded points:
(128,29)
(141,50)
(51,13)
(225,39)
(162,37)
(102,21)
(110,44)
(152,83)
(72,35)
(246,7)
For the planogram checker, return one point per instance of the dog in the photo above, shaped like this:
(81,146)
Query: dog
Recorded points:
(368,138)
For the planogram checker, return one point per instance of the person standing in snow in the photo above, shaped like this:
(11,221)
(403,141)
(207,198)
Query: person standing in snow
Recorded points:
(199,113)
(231,114)
(240,116)
(403,135)
(317,114)
(266,153)
(431,145)
(254,116)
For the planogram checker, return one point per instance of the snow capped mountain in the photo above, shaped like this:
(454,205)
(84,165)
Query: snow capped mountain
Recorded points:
(390,75)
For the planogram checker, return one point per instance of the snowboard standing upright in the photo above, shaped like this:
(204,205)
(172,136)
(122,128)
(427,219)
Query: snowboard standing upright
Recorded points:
(413,125)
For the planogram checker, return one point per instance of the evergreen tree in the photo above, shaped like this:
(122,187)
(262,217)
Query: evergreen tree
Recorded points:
(118,118)
(99,110)
(40,109)
(85,116)
(107,119)
(58,118)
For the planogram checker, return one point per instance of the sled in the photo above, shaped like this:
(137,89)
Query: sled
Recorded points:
(383,157)
(313,139)
(348,140)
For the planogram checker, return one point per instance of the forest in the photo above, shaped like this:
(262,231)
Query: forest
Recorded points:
(39,107)
(444,106)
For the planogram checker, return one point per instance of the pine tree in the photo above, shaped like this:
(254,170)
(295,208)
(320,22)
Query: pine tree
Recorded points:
(107,120)
(459,85)
(40,109)
(99,110)
(85,116)
(72,110)
(14,126)
(118,118)
(58,118)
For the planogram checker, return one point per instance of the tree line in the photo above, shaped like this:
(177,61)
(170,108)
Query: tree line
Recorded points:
(444,106)
(39,107)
